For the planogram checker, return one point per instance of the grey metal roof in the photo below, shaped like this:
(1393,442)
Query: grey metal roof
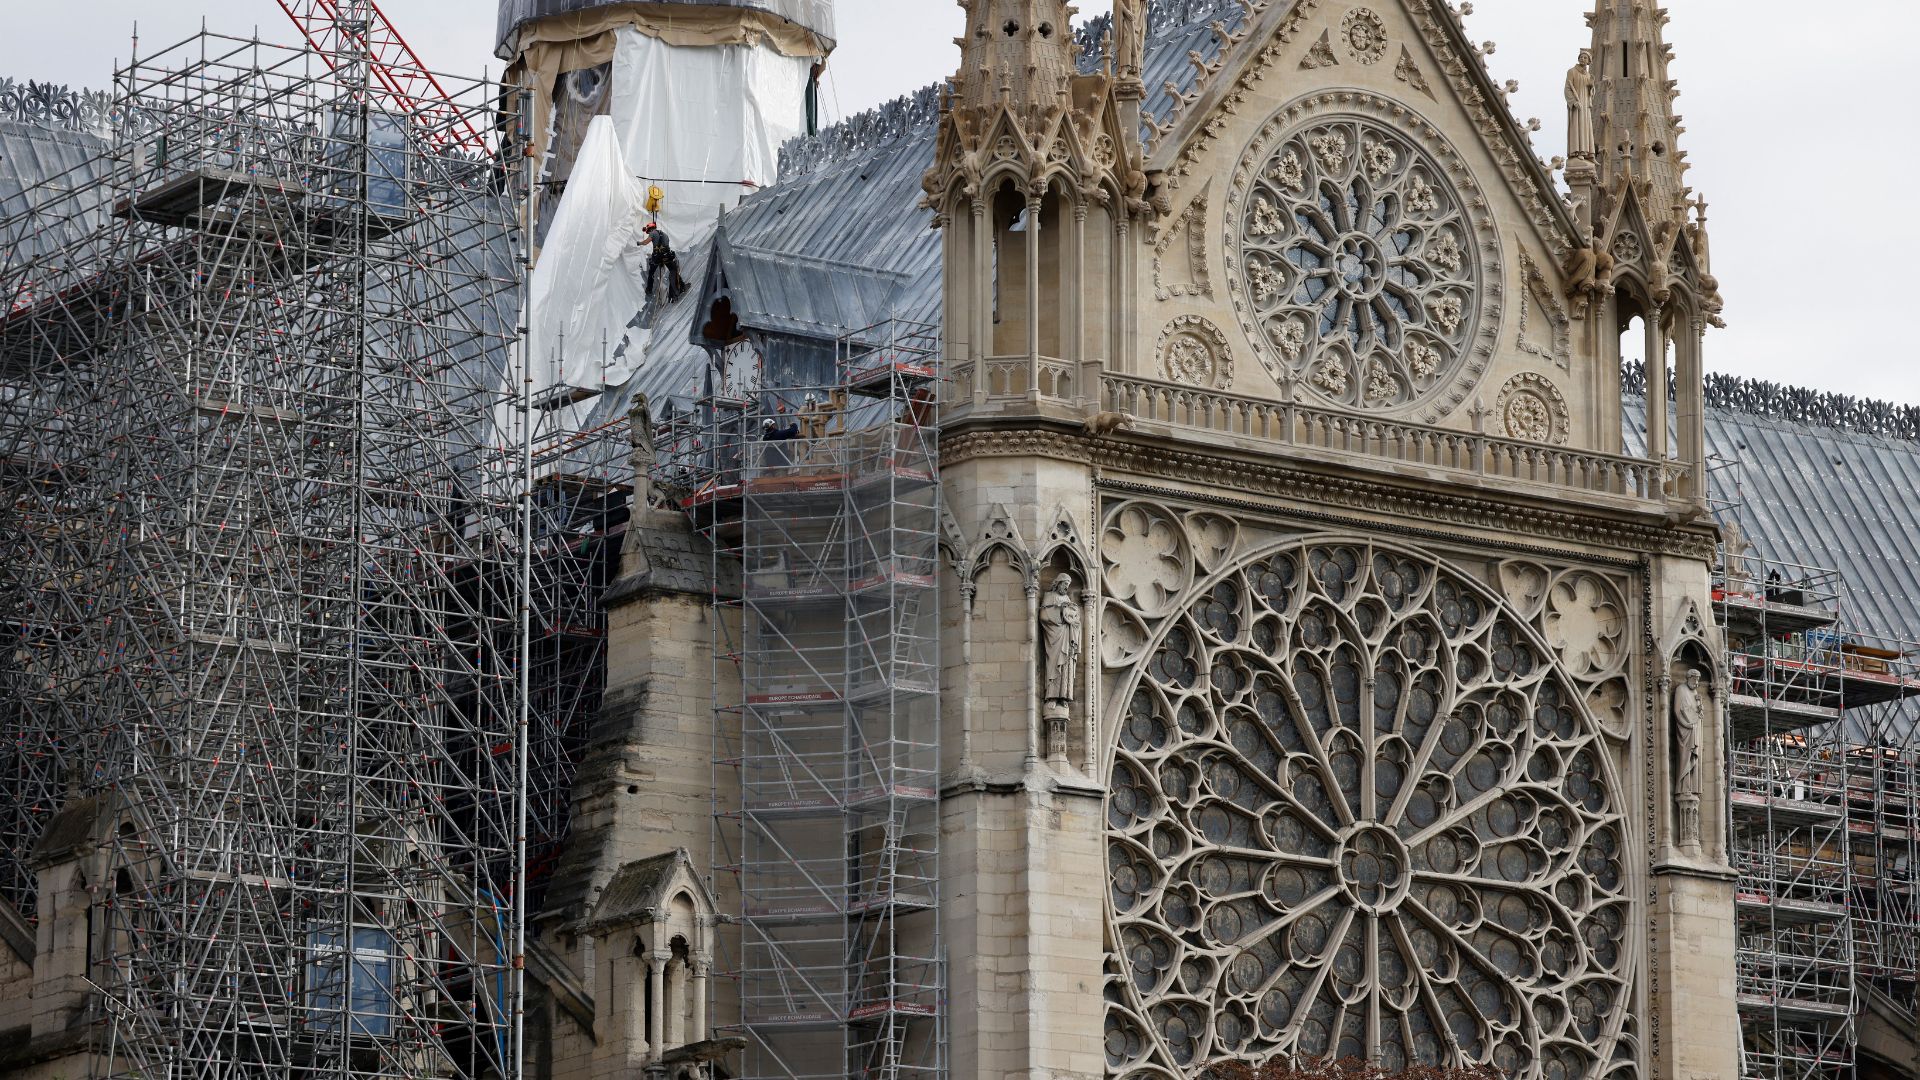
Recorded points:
(31,154)
(797,295)
(1816,493)
(814,15)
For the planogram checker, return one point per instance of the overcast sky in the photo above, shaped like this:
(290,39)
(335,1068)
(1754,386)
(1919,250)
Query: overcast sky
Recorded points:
(1776,106)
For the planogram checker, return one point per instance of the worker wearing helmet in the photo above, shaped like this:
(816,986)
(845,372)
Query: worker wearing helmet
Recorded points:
(662,258)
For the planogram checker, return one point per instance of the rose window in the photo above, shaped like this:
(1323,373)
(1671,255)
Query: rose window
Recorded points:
(1358,265)
(1356,810)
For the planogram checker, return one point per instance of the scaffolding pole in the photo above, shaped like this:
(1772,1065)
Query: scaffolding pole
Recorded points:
(266,579)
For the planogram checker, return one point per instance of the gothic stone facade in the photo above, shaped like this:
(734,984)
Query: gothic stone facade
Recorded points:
(1398,713)
(1319,677)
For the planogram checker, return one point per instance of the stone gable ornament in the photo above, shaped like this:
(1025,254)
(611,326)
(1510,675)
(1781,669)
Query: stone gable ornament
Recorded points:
(1365,35)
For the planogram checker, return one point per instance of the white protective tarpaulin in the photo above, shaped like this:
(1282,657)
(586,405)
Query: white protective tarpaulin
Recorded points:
(591,278)
(693,120)
(698,121)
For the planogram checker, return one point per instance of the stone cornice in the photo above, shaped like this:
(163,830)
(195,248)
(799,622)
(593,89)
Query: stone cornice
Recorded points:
(1149,466)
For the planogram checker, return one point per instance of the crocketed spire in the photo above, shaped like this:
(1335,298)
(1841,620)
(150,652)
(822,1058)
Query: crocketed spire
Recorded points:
(1636,133)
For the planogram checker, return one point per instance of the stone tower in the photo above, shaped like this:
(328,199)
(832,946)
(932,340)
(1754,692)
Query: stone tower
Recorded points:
(1039,186)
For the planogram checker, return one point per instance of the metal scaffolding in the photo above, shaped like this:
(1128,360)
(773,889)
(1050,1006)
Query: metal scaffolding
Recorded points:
(267,447)
(823,503)
(1821,810)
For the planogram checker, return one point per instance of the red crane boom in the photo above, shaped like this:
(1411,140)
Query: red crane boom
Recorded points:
(399,79)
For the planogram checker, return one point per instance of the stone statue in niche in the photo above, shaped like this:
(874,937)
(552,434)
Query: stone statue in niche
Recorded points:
(1060,636)
(1580,137)
(1060,660)
(1129,36)
(1689,714)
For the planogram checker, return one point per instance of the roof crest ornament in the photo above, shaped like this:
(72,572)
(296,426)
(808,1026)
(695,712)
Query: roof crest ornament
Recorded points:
(1795,404)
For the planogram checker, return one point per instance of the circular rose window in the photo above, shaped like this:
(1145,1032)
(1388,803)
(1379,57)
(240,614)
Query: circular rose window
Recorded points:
(1356,265)
(1356,810)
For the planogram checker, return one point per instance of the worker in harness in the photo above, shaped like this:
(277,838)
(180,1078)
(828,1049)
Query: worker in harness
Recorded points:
(662,258)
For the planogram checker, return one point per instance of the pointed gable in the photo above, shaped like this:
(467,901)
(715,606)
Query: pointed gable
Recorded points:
(1343,195)
(1283,48)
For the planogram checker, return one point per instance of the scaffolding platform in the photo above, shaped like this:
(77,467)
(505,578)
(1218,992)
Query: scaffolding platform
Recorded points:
(1821,817)
(179,200)
(1784,613)
(1755,716)
(1796,1009)
(1785,810)
(1785,911)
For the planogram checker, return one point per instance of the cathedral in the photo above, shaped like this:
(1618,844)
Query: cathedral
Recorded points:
(1316,671)
(1198,538)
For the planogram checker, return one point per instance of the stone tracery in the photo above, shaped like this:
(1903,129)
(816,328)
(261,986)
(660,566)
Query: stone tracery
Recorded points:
(1357,253)
(1357,808)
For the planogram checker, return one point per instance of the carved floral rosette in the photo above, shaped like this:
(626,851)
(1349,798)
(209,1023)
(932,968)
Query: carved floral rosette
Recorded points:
(1361,256)
(1357,806)
(1532,409)
(1194,352)
(1365,35)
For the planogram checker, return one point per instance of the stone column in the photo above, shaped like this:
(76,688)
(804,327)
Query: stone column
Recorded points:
(1693,423)
(676,1007)
(1032,299)
(1125,337)
(657,1006)
(1033,671)
(968,590)
(953,243)
(1090,672)
(633,989)
(1658,408)
(701,966)
(983,297)
(1073,336)
(1119,287)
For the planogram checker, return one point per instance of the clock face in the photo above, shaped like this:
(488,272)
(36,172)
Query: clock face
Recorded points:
(1357,265)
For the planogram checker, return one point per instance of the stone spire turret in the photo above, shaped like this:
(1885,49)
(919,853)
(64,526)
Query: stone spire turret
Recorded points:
(1038,179)
(1647,256)
(1637,133)
(1017,52)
